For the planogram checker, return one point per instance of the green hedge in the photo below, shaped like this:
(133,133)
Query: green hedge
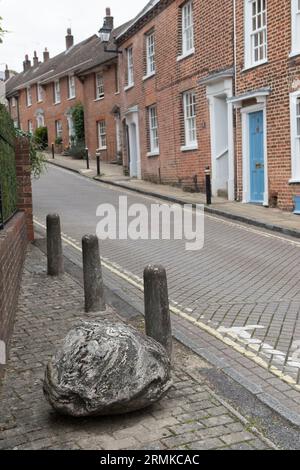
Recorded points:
(8,177)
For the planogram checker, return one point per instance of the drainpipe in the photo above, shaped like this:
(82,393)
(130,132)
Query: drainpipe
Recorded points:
(235,90)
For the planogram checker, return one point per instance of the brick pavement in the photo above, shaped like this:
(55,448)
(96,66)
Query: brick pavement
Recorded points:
(192,416)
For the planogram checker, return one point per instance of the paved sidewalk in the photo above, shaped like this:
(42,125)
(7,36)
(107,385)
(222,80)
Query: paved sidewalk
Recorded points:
(192,416)
(272,219)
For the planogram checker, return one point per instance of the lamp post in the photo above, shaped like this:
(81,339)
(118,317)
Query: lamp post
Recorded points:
(104,34)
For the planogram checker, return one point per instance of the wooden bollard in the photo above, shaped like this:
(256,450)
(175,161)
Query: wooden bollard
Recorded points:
(157,311)
(54,246)
(92,274)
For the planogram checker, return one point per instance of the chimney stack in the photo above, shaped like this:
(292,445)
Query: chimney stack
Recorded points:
(6,73)
(46,55)
(69,39)
(108,20)
(26,63)
(35,59)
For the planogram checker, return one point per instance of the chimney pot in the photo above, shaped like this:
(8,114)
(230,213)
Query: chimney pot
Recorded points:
(26,63)
(69,39)
(46,55)
(35,59)
(6,73)
(109,20)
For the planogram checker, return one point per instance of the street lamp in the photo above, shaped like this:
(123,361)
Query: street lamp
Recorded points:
(104,34)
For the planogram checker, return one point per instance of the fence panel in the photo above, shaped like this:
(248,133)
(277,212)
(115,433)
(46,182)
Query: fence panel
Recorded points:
(8,179)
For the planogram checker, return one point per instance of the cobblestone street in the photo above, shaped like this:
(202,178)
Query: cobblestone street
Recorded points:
(191,416)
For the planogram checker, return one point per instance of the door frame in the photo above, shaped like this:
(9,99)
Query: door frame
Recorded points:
(245,112)
(222,87)
(132,118)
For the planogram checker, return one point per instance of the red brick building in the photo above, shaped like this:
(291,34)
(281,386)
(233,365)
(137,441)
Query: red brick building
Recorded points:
(167,50)
(45,93)
(267,101)
(189,84)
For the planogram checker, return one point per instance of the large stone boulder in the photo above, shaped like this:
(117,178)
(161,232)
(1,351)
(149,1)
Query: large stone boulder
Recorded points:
(104,368)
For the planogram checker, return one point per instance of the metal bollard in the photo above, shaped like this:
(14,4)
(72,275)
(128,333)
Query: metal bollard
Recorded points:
(208,185)
(53,152)
(87,159)
(98,162)
(92,275)
(54,246)
(157,312)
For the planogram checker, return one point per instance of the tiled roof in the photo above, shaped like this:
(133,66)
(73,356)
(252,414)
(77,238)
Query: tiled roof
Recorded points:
(79,58)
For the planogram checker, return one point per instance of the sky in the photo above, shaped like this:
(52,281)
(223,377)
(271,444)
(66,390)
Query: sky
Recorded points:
(34,25)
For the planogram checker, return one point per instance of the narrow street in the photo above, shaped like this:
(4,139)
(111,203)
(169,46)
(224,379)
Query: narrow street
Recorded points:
(241,289)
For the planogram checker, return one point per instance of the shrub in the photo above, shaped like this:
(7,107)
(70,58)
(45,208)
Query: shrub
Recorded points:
(58,141)
(41,137)
(78,120)
(37,159)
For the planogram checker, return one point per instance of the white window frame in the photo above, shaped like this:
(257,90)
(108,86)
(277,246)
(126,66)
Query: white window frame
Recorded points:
(295,23)
(13,102)
(57,94)
(58,129)
(187,30)
(72,87)
(102,138)
(39,93)
(130,67)
(30,126)
(190,121)
(40,121)
(150,54)
(251,33)
(295,137)
(153,131)
(99,86)
(29,96)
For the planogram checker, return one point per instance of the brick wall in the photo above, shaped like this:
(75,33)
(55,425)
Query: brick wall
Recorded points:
(101,110)
(213,52)
(24,183)
(13,242)
(282,75)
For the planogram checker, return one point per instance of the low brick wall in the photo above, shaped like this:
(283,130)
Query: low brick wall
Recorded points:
(13,243)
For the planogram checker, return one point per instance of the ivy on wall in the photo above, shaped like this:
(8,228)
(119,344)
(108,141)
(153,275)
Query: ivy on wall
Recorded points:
(8,177)
(78,120)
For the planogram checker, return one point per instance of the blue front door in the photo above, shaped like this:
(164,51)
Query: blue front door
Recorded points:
(257,161)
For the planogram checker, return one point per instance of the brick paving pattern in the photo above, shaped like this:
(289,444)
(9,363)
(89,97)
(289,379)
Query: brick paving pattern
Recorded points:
(191,416)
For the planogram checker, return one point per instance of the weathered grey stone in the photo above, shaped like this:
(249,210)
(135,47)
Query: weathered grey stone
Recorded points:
(157,311)
(92,275)
(54,246)
(105,368)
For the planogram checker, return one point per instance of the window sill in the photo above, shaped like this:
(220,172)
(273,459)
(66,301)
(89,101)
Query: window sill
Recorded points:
(185,55)
(294,181)
(253,66)
(29,105)
(72,98)
(189,148)
(40,101)
(128,87)
(294,54)
(117,93)
(155,153)
(150,75)
(102,148)
(57,102)
(99,99)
